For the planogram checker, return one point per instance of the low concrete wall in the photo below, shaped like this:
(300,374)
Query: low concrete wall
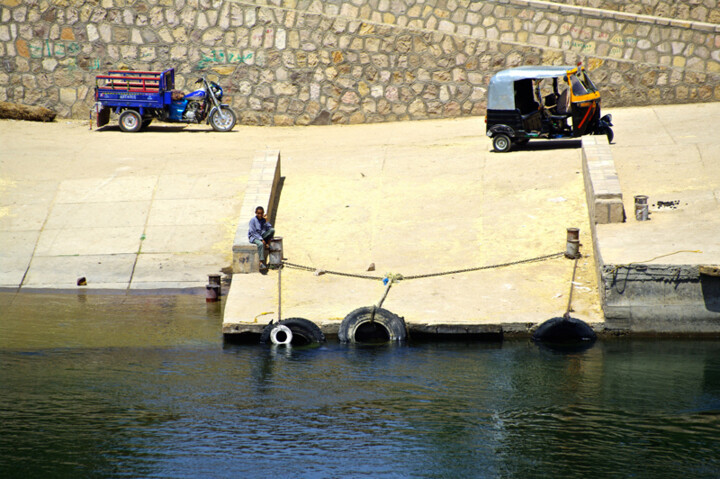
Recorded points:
(262,190)
(660,298)
(602,188)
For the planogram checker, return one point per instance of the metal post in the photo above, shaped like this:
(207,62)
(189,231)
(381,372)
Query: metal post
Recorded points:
(573,243)
(280,293)
(641,208)
(215,282)
(275,257)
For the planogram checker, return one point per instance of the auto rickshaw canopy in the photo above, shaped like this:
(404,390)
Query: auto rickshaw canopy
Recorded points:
(501,91)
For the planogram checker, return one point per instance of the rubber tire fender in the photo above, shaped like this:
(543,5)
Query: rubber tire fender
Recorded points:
(394,324)
(303,330)
(281,328)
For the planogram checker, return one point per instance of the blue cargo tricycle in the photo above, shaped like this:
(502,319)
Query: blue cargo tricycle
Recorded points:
(138,97)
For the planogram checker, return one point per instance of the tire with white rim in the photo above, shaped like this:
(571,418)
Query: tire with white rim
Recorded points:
(502,143)
(223,120)
(130,121)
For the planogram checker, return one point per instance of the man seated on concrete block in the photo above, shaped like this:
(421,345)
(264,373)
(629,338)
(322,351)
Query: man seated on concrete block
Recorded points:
(260,232)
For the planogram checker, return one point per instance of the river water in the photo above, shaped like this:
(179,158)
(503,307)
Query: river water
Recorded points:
(143,386)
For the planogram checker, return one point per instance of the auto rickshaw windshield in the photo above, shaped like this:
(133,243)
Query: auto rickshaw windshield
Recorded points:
(589,85)
(581,87)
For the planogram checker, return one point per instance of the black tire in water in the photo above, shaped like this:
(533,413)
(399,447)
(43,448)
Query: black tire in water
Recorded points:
(303,331)
(385,326)
(565,333)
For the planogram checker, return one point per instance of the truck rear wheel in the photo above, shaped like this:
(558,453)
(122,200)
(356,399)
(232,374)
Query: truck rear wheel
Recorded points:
(130,121)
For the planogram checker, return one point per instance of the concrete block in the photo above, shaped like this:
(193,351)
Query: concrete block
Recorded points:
(245,258)
(608,211)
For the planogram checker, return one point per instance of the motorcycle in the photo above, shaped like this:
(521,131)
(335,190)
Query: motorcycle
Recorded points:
(199,105)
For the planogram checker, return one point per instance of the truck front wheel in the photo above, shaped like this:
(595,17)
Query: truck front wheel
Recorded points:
(130,121)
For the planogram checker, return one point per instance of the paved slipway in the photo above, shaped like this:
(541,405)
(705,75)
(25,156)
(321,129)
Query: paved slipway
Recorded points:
(158,211)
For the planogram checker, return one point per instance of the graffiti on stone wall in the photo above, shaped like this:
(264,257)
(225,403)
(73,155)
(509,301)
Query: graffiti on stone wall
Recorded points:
(584,40)
(220,57)
(67,53)
(617,42)
(54,49)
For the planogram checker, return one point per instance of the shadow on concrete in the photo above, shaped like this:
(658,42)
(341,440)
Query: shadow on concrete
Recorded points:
(155,129)
(208,130)
(544,145)
(272,214)
(710,286)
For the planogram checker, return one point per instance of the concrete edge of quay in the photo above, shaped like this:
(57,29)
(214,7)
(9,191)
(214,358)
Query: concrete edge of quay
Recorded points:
(251,332)
(643,298)
(653,300)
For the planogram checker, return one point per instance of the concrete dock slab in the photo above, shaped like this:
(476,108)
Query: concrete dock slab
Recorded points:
(419,198)
(160,210)
(156,210)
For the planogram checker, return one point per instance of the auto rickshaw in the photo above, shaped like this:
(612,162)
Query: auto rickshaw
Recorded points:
(534,102)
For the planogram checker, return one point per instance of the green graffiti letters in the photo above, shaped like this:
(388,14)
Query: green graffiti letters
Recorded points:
(221,57)
(54,49)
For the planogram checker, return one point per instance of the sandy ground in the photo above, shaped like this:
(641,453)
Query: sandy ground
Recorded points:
(158,208)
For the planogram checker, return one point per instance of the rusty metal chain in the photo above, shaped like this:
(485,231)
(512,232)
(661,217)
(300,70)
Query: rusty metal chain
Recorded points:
(336,273)
(429,275)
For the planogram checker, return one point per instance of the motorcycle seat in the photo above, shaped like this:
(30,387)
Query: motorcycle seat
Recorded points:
(558,117)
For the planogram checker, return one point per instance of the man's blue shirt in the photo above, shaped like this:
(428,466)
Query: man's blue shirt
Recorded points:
(257,228)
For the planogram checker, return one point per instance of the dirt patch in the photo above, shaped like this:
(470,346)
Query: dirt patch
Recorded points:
(15,111)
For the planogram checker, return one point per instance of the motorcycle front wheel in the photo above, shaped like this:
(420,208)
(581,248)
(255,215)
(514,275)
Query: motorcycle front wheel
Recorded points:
(223,121)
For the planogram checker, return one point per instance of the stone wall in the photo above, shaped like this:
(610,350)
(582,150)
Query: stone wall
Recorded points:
(285,62)
(696,10)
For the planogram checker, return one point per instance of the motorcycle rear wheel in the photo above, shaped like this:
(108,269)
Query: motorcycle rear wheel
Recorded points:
(223,121)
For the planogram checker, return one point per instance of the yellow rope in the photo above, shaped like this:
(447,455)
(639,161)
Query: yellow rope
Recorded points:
(262,314)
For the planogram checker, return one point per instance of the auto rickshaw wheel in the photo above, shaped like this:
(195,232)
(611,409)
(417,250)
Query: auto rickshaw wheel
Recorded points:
(130,121)
(502,143)
(610,134)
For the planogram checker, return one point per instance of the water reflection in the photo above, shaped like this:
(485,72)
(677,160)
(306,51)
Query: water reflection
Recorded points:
(144,387)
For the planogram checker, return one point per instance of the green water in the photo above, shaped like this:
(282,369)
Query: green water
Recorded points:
(143,386)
